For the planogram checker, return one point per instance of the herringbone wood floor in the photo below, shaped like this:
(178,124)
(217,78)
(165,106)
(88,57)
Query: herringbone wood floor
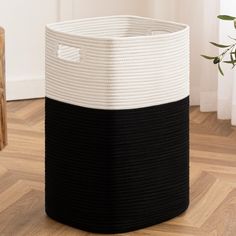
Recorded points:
(212,211)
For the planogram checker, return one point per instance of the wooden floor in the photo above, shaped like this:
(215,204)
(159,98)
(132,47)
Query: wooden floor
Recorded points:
(212,211)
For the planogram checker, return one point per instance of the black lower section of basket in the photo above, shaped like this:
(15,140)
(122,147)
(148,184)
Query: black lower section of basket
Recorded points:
(113,171)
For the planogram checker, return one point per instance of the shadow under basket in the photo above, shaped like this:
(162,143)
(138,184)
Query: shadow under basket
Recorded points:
(117,122)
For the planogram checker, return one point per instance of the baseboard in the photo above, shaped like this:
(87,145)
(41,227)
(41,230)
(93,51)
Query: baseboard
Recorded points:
(208,101)
(25,88)
(195,96)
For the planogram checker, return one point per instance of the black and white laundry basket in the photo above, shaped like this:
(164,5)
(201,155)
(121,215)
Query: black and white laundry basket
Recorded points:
(117,131)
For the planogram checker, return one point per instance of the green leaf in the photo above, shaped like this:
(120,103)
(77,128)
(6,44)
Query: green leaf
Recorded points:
(232,59)
(230,62)
(220,45)
(226,17)
(233,53)
(233,62)
(208,57)
(235,23)
(220,70)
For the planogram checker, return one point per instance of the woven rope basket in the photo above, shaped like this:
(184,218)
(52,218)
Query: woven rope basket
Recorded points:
(117,135)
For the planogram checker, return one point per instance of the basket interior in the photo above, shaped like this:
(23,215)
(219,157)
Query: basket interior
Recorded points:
(117,26)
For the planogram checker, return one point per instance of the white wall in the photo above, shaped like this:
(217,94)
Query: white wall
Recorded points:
(88,8)
(24,23)
(163,9)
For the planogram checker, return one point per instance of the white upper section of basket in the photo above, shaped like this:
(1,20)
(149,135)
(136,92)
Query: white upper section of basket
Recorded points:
(117,62)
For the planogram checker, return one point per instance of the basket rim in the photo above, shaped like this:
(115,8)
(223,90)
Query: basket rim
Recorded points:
(50,27)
